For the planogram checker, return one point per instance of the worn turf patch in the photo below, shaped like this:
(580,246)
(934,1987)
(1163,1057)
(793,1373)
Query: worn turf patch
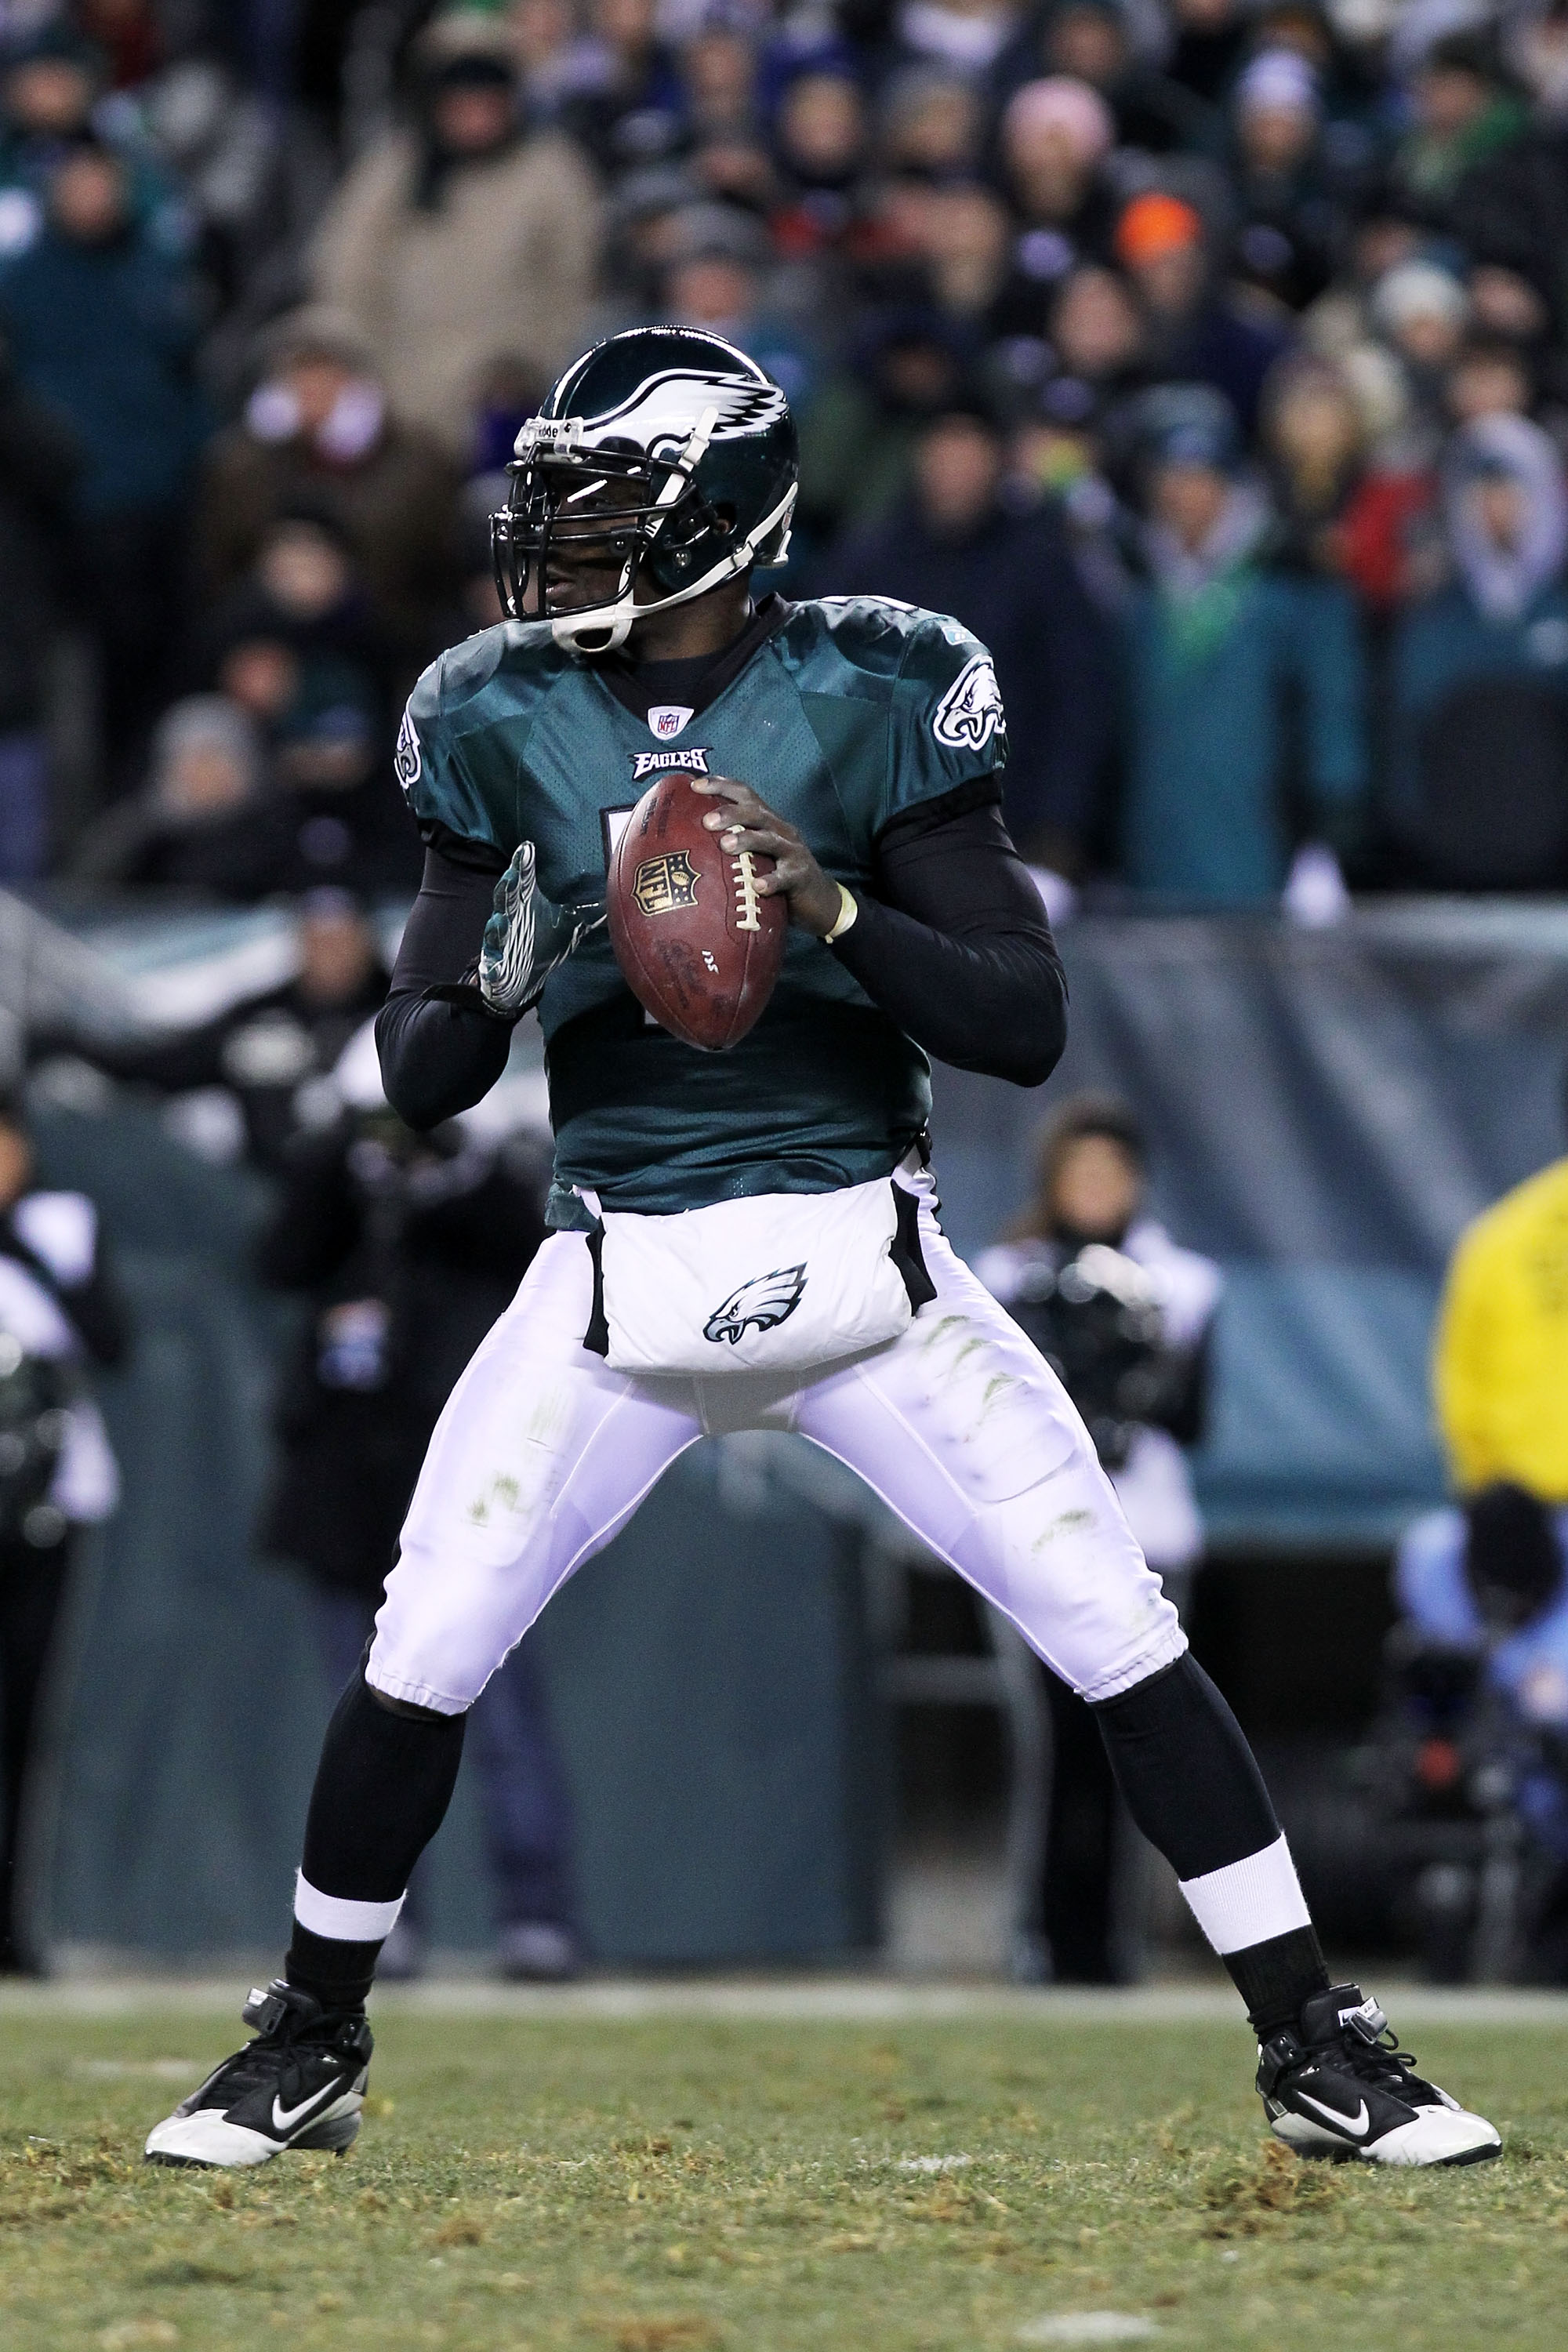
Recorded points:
(711,2185)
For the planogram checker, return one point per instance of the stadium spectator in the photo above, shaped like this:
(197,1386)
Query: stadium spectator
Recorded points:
(1313,446)
(1090,1197)
(628,103)
(1195,333)
(1222,654)
(965,251)
(39,459)
(719,70)
(53,81)
(1097,334)
(1464,115)
(61,1315)
(408,1248)
(1290,218)
(1092,41)
(857,439)
(102,325)
(1421,312)
(1055,137)
(249,181)
(317,434)
(957,546)
(345,817)
(1208,48)
(466,234)
(1496,1364)
(304,600)
(205,820)
(1478,696)
(930,123)
(716,278)
(1487,378)
(254,1079)
(820,141)
(544,44)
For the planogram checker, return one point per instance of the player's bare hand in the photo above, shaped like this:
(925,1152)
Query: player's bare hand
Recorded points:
(746,822)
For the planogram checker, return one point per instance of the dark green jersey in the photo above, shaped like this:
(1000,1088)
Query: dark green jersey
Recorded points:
(853,711)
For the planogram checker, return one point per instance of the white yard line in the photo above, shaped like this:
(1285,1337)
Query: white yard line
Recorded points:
(848,2000)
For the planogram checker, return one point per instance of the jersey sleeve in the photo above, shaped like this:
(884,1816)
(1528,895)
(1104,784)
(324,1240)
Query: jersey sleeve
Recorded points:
(441,794)
(948,724)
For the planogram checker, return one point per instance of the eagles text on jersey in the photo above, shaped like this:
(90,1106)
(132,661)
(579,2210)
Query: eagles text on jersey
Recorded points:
(851,712)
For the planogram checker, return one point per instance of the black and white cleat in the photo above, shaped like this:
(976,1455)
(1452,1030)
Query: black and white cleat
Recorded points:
(1341,2086)
(301,2084)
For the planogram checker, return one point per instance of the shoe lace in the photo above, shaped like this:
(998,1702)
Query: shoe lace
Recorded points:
(276,2054)
(269,2059)
(1375,2056)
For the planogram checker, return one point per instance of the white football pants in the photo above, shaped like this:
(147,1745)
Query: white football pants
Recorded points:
(542,1454)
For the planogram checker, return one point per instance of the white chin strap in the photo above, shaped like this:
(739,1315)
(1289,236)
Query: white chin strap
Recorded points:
(610,624)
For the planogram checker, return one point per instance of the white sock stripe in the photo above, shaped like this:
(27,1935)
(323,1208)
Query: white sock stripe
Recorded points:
(345,1922)
(1247,1902)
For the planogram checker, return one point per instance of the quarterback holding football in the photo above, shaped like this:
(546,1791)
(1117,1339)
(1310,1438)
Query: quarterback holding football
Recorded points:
(747,858)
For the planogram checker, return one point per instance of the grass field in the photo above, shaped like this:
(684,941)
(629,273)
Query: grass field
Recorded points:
(575,2184)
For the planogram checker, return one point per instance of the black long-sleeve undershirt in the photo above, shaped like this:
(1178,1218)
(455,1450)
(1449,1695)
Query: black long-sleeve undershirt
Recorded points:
(954,947)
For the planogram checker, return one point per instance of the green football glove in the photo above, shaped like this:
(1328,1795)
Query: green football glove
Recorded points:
(527,936)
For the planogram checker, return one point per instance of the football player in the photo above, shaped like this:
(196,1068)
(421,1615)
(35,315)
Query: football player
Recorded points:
(659,478)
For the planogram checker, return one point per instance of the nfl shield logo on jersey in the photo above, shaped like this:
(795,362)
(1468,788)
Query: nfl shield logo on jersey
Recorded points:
(667,719)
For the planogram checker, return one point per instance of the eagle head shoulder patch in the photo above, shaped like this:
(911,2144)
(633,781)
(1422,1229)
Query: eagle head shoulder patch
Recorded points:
(970,713)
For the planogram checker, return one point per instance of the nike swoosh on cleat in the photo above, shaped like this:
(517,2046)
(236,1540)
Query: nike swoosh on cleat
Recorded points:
(1356,2126)
(284,2118)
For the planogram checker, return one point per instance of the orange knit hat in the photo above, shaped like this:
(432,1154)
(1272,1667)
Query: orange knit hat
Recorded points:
(1154,225)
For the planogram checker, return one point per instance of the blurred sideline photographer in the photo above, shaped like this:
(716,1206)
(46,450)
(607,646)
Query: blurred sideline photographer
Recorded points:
(410,1247)
(1479,1734)
(1481,1661)
(1124,1317)
(58,1313)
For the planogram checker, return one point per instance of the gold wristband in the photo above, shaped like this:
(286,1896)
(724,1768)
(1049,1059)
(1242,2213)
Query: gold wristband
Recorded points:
(848,910)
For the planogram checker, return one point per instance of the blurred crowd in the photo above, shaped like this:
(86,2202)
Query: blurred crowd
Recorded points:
(1209,358)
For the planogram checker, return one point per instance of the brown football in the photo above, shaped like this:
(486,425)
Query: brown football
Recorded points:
(700,950)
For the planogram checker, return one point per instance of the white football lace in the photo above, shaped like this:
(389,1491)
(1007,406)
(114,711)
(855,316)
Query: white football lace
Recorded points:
(746,916)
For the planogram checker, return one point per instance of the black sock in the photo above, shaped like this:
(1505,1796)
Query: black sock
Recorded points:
(1193,1786)
(338,1975)
(383,1787)
(1190,1781)
(1274,1979)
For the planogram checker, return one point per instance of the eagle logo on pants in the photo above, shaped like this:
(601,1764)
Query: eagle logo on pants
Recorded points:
(767,1300)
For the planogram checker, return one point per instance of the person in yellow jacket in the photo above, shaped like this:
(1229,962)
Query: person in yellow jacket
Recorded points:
(1501,1366)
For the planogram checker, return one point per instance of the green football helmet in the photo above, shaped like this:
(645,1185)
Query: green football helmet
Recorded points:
(664,452)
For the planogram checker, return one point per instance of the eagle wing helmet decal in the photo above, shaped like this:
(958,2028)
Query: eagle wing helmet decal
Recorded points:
(669,407)
(767,1300)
